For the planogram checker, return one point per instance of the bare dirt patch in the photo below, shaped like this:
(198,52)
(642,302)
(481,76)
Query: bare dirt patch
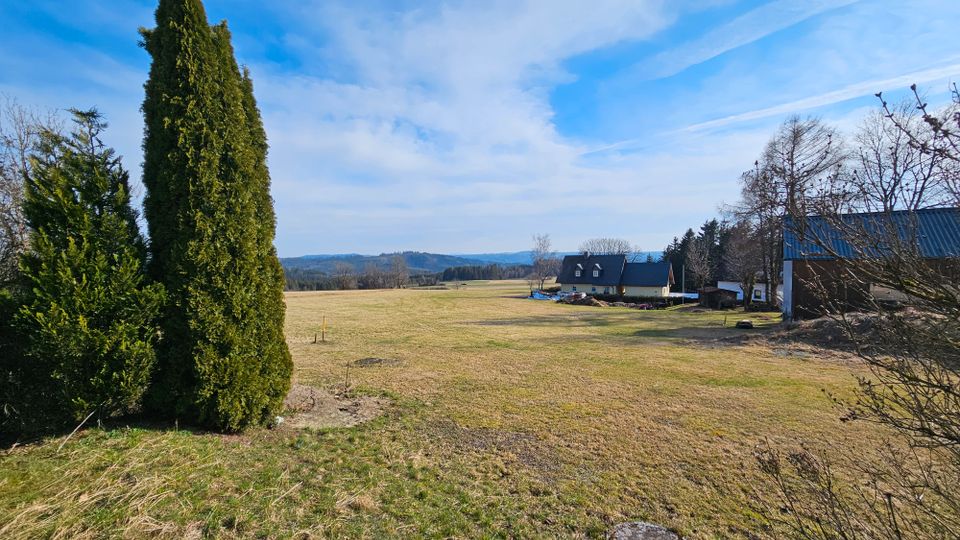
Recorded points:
(375,362)
(311,407)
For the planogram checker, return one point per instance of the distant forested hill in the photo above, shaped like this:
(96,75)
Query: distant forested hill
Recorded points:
(417,262)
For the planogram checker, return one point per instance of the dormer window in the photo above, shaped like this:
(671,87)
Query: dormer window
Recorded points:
(596,273)
(579,271)
(576,273)
(596,270)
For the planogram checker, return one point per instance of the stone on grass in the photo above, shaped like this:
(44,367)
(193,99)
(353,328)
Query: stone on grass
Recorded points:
(640,530)
(746,323)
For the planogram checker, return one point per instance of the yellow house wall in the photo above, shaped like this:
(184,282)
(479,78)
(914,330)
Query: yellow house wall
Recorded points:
(647,291)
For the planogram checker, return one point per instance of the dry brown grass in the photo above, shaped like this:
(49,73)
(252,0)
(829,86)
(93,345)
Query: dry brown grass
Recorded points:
(511,417)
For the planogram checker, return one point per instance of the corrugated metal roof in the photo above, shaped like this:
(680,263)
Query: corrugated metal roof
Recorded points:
(935,232)
(646,274)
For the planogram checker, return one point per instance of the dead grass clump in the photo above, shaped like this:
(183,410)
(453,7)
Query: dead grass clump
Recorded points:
(829,333)
(360,502)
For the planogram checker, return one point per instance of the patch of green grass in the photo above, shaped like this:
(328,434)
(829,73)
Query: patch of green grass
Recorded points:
(510,418)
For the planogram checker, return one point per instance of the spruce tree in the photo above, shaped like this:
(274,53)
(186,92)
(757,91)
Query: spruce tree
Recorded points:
(223,361)
(88,316)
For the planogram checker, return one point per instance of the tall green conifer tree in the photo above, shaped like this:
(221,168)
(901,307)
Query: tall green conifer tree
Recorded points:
(88,317)
(205,205)
(272,281)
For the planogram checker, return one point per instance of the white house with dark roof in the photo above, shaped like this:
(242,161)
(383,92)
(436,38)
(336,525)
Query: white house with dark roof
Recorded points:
(612,274)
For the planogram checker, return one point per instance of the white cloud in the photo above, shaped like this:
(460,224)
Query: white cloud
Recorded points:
(747,28)
(856,90)
(446,116)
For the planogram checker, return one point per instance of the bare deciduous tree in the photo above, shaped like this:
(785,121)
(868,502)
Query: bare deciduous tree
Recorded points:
(344,275)
(373,277)
(892,169)
(610,246)
(742,258)
(544,260)
(801,164)
(698,262)
(20,129)
(399,271)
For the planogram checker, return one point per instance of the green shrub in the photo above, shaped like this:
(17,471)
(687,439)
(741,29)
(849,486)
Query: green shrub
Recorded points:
(86,319)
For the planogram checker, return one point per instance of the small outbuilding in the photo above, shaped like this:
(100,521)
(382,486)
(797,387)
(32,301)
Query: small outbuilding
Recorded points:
(716,298)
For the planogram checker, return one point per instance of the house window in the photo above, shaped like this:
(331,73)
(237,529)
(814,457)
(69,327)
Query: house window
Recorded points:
(576,273)
(593,289)
(606,290)
(596,273)
(574,288)
(757,294)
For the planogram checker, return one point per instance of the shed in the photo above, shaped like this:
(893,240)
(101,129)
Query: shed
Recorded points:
(716,298)
(810,267)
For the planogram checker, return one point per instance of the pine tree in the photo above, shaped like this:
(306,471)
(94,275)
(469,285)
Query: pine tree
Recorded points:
(88,319)
(223,361)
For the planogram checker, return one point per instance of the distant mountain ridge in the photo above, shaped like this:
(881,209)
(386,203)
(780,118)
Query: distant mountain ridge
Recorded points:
(418,262)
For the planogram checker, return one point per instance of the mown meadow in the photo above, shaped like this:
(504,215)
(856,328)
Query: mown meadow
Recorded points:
(507,417)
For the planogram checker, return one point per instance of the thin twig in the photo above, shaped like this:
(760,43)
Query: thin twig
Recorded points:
(285,493)
(80,425)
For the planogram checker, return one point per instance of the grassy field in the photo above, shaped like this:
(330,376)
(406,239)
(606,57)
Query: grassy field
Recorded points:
(508,418)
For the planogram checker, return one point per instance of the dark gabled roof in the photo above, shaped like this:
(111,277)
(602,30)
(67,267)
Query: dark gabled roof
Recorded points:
(658,274)
(611,269)
(935,232)
(717,290)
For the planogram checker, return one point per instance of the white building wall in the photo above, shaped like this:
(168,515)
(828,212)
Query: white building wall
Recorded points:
(787,290)
(758,288)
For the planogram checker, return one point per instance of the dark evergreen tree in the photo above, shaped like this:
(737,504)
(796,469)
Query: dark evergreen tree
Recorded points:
(676,254)
(724,236)
(87,320)
(223,362)
(710,237)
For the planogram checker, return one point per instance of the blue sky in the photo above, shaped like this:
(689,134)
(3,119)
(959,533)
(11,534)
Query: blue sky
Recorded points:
(470,126)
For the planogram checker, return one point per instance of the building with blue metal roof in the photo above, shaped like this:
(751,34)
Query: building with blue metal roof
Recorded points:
(813,247)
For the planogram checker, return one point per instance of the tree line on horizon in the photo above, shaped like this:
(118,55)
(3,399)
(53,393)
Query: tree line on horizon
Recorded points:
(183,324)
(345,276)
